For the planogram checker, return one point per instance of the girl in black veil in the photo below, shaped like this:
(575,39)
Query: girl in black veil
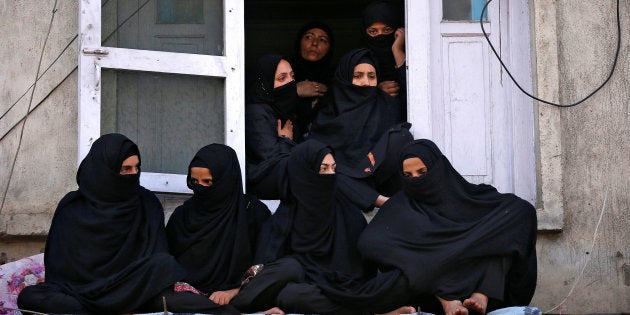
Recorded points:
(270,129)
(106,250)
(362,125)
(214,233)
(383,32)
(468,245)
(319,228)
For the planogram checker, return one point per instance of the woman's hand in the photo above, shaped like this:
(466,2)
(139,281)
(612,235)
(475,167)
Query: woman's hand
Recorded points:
(287,130)
(311,88)
(398,48)
(223,297)
(390,87)
(380,200)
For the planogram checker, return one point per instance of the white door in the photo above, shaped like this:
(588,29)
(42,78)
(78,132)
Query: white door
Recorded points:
(168,74)
(462,99)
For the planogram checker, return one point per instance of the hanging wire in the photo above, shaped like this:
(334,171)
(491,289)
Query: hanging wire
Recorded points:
(612,70)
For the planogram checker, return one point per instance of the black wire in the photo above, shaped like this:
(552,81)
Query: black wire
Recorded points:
(612,70)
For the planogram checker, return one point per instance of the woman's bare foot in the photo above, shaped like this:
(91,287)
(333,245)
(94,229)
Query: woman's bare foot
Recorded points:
(401,310)
(454,307)
(477,302)
(274,310)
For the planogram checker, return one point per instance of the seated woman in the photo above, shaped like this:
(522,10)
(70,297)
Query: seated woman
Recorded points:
(470,246)
(317,228)
(383,33)
(362,125)
(312,63)
(214,233)
(106,250)
(269,126)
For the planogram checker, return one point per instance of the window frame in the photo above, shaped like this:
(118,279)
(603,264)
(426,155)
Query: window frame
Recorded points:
(93,57)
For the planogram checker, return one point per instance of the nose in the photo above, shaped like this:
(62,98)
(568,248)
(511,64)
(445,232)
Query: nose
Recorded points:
(365,81)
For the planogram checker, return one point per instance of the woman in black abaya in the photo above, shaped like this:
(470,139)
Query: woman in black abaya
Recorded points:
(106,250)
(312,63)
(270,131)
(214,233)
(362,125)
(469,245)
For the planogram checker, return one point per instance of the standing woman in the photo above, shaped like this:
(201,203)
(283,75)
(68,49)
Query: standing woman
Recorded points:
(106,250)
(362,125)
(269,126)
(214,233)
(313,66)
(468,245)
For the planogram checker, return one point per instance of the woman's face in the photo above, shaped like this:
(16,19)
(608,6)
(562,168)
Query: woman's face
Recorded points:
(284,74)
(314,45)
(130,166)
(378,28)
(414,167)
(364,75)
(201,176)
(328,165)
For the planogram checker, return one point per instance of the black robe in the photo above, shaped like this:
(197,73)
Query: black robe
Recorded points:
(443,232)
(213,234)
(362,125)
(106,246)
(266,152)
(319,71)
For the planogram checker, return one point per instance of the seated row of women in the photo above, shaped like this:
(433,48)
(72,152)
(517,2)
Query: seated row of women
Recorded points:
(440,242)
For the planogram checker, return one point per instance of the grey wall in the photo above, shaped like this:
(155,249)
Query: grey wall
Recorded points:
(585,268)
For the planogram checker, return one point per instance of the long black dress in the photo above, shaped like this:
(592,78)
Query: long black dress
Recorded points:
(451,238)
(363,127)
(266,152)
(106,250)
(214,233)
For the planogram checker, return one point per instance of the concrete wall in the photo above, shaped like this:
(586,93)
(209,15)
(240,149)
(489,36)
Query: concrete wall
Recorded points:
(38,108)
(585,268)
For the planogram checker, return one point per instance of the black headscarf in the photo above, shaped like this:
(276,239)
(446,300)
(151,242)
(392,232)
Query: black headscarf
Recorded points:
(283,99)
(355,118)
(106,245)
(440,221)
(209,234)
(321,70)
(390,13)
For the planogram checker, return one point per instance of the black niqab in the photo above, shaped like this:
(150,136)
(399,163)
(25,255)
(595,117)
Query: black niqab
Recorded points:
(355,118)
(106,245)
(390,13)
(441,221)
(209,234)
(282,99)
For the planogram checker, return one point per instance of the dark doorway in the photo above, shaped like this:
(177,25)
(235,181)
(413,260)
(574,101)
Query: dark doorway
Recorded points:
(271,25)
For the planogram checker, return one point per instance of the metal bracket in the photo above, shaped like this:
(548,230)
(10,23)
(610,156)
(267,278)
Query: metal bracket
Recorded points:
(97,51)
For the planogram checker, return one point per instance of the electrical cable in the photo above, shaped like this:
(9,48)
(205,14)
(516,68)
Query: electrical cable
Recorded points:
(612,70)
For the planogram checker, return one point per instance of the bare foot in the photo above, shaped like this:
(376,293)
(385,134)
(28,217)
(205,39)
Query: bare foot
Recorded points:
(454,307)
(401,310)
(477,302)
(274,310)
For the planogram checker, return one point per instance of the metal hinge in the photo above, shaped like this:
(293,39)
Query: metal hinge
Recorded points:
(97,51)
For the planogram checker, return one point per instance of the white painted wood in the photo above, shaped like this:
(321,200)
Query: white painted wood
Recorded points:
(459,96)
(230,66)
(89,114)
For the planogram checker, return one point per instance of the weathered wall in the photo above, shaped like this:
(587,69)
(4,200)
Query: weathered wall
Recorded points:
(585,268)
(38,108)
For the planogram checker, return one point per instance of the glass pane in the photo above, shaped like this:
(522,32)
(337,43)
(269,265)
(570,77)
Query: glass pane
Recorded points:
(169,116)
(188,26)
(462,10)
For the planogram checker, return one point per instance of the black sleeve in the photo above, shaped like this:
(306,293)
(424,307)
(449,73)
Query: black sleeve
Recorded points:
(257,214)
(358,191)
(261,135)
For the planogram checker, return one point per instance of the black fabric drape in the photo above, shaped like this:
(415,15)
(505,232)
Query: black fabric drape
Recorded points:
(266,152)
(213,234)
(389,12)
(440,224)
(106,245)
(355,119)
